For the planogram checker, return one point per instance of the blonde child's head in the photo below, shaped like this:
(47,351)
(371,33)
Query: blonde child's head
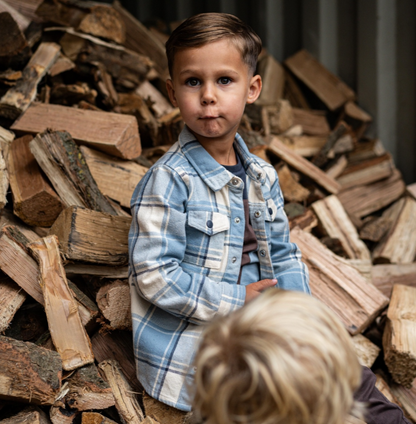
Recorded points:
(205,28)
(282,358)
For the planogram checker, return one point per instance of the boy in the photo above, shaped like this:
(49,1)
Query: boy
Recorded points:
(280,359)
(209,231)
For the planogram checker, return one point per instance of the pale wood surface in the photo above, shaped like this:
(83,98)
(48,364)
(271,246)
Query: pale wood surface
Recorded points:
(303,165)
(158,102)
(108,132)
(126,402)
(312,122)
(366,149)
(26,7)
(21,377)
(12,298)
(95,418)
(411,190)
(399,244)
(399,337)
(81,236)
(407,399)
(273,77)
(335,169)
(292,190)
(336,224)
(65,325)
(384,277)
(279,116)
(340,286)
(329,88)
(303,145)
(116,178)
(367,351)
(72,268)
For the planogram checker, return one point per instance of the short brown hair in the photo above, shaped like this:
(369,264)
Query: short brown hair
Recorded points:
(283,358)
(205,28)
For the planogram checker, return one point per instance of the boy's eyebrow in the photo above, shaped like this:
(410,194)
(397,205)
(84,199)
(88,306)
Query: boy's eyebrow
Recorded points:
(196,71)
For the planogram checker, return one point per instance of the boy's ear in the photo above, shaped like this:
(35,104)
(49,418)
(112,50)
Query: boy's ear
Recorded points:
(171,92)
(254,89)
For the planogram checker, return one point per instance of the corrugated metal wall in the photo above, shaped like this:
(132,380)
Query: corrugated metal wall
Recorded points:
(370,44)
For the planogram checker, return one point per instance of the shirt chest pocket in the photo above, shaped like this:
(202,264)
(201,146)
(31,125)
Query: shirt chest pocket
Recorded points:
(205,238)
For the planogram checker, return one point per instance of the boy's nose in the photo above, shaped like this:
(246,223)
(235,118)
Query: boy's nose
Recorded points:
(208,95)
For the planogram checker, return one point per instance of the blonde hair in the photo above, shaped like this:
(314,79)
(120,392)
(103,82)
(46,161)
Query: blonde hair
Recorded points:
(282,358)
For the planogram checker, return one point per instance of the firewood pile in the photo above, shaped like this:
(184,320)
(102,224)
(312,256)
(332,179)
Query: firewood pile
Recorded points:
(83,115)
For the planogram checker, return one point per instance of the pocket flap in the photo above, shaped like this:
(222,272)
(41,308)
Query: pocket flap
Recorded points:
(209,223)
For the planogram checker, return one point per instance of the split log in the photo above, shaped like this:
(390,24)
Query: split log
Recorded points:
(411,190)
(337,167)
(11,31)
(292,190)
(399,245)
(6,137)
(118,346)
(399,337)
(367,351)
(12,298)
(73,269)
(279,116)
(95,418)
(350,419)
(339,285)
(125,400)
(110,133)
(34,201)
(61,65)
(303,145)
(113,300)
(158,103)
(313,122)
(63,163)
(367,172)
(407,399)
(330,89)
(366,149)
(115,177)
(375,228)
(385,389)
(162,413)
(31,414)
(356,117)
(384,277)
(81,236)
(306,221)
(273,76)
(20,20)
(19,97)
(68,334)
(293,93)
(27,8)
(59,415)
(363,200)
(22,379)
(335,223)
(304,166)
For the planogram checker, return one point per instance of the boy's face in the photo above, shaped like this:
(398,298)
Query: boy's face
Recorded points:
(211,86)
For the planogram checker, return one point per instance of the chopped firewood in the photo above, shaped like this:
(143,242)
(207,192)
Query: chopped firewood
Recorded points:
(62,64)
(72,268)
(81,236)
(367,172)
(273,77)
(170,126)
(356,117)
(367,351)
(337,167)
(5,143)
(365,199)
(141,40)
(303,165)
(31,414)
(154,98)
(399,338)
(344,144)
(34,201)
(12,298)
(293,93)
(367,149)
(162,413)
(306,221)
(261,152)
(104,84)
(125,399)
(87,390)
(293,131)
(338,284)
(63,163)
(335,223)
(350,419)
(280,116)
(292,190)
(117,345)
(330,89)
(69,94)
(96,19)
(95,418)
(19,97)
(11,31)
(375,228)
(110,133)
(411,190)
(23,378)
(59,415)
(399,244)
(385,389)
(68,333)
(313,122)
(113,300)
(384,277)
(116,178)
(407,399)
(303,145)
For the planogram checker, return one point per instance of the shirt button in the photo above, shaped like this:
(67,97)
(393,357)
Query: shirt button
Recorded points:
(259,176)
(235,181)
(270,211)
(262,252)
(237,220)
(210,224)
(234,260)
(257,214)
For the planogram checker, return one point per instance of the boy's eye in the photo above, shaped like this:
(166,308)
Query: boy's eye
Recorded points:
(224,80)
(192,82)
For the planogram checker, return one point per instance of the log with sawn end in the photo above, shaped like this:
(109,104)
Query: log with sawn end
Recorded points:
(68,334)
(110,133)
(81,236)
(21,377)
(12,298)
(31,414)
(339,285)
(313,122)
(367,351)
(292,190)
(273,77)
(385,276)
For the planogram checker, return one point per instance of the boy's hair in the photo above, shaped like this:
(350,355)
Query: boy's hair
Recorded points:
(283,358)
(205,28)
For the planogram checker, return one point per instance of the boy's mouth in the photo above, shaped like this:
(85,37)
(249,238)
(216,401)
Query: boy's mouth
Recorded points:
(209,117)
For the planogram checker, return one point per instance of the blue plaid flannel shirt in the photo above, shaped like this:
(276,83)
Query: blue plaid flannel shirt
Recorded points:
(185,249)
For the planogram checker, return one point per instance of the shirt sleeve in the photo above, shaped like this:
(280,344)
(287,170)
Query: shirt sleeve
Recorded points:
(157,242)
(290,271)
